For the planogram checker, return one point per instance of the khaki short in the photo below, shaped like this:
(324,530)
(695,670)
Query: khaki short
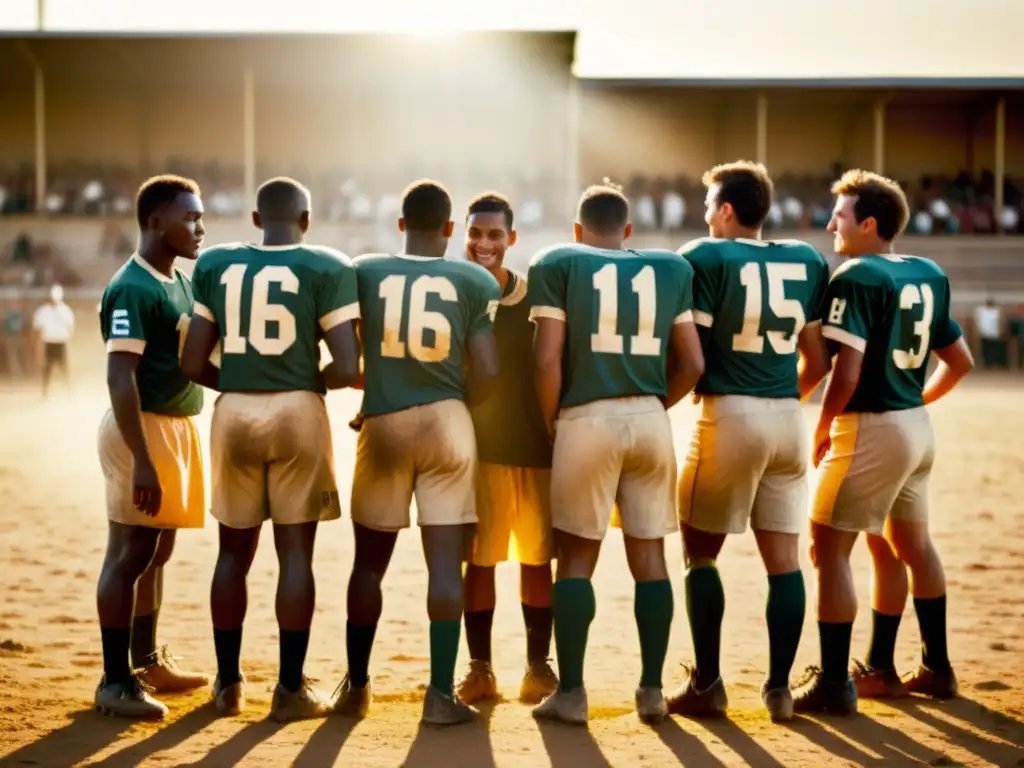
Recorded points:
(428,451)
(878,466)
(175,451)
(616,451)
(272,459)
(512,503)
(747,461)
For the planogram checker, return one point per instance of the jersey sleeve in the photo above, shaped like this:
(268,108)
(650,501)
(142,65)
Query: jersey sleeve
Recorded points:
(483,304)
(684,310)
(818,300)
(848,311)
(946,329)
(202,291)
(125,315)
(701,256)
(338,295)
(546,284)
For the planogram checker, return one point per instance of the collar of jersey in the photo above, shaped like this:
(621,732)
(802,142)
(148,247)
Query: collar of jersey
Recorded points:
(149,268)
(518,292)
(414,257)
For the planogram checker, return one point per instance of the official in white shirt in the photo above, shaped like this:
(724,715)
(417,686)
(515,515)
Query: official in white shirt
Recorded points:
(55,323)
(988,321)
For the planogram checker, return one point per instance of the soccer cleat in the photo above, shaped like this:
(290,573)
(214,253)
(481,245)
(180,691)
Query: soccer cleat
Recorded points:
(877,683)
(650,705)
(778,702)
(440,709)
(816,694)
(691,701)
(569,707)
(479,684)
(303,704)
(128,700)
(350,701)
(229,699)
(163,675)
(539,682)
(928,682)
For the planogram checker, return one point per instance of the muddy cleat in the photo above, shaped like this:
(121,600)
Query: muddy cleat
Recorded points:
(163,675)
(691,701)
(229,699)
(128,700)
(539,682)
(651,706)
(877,683)
(928,682)
(479,684)
(816,694)
(569,707)
(350,701)
(778,702)
(303,704)
(441,710)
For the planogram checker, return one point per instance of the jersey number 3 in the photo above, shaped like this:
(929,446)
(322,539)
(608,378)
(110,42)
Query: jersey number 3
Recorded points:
(607,338)
(261,311)
(420,319)
(910,297)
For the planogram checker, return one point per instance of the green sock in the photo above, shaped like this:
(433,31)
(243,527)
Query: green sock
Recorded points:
(573,603)
(882,649)
(652,606)
(705,605)
(785,615)
(444,647)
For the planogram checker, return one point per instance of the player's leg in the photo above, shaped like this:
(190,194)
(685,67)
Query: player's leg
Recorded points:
(229,601)
(876,677)
(48,363)
(62,361)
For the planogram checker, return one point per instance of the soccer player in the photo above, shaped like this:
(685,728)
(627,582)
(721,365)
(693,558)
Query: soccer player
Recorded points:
(423,320)
(886,314)
(758,306)
(269,305)
(514,474)
(148,446)
(611,325)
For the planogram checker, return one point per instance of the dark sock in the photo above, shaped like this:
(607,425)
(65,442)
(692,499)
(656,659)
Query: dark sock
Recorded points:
(931,618)
(359,643)
(293,645)
(705,605)
(538,632)
(653,607)
(227,644)
(573,608)
(882,650)
(144,639)
(478,634)
(116,644)
(835,650)
(444,648)
(784,613)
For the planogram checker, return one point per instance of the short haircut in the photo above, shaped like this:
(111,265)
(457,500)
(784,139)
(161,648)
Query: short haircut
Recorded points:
(426,206)
(492,202)
(160,191)
(878,198)
(282,200)
(747,187)
(603,208)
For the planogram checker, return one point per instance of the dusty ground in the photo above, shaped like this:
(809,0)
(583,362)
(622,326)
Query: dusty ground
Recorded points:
(52,534)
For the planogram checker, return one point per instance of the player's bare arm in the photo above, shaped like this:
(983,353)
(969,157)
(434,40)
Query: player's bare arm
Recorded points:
(688,362)
(547,361)
(483,366)
(195,357)
(124,402)
(343,370)
(842,385)
(815,362)
(955,362)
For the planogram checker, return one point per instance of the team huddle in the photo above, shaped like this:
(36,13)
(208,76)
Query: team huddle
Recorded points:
(527,414)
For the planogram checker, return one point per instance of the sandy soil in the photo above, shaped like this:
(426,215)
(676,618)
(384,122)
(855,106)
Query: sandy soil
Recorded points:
(52,535)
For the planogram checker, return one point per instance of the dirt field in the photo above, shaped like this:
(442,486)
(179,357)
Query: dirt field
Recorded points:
(52,534)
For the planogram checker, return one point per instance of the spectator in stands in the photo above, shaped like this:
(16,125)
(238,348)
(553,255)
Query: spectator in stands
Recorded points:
(988,322)
(14,338)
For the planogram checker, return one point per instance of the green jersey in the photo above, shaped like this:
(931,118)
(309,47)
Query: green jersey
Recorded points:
(894,309)
(272,305)
(417,316)
(509,425)
(619,308)
(751,299)
(146,313)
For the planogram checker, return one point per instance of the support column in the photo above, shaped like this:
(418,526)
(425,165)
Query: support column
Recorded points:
(572,144)
(878,155)
(40,138)
(762,129)
(249,137)
(1000,160)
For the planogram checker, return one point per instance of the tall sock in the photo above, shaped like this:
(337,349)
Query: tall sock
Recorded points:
(835,650)
(574,608)
(882,649)
(444,647)
(143,643)
(787,602)
(478,634)
(227,644)
(293,646)
(705,605)
(931,617)
(358,644)
(539,623)
(116,644)
(653,607)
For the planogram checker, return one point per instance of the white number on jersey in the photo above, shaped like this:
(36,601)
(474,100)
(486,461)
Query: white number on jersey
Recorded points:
(606,283)
(749,339)
(261,311)
(392,291)
(910,297)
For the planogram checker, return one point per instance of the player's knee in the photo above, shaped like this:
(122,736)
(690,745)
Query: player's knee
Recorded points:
(911,543)
(164,549)
(444,599)
(131,560)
